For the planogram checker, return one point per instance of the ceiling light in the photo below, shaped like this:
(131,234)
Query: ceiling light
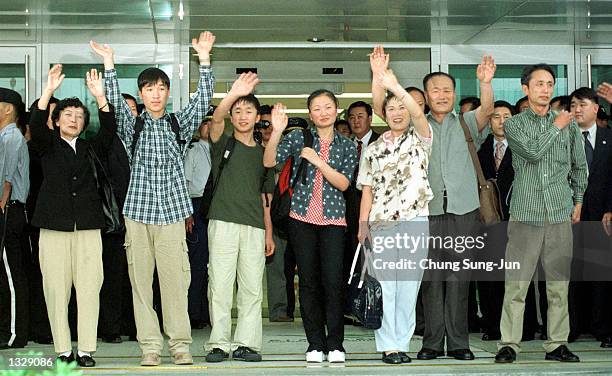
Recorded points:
(181,11)
(315,40)
(27,10)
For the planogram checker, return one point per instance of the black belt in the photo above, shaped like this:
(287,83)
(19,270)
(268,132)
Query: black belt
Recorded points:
(14,203)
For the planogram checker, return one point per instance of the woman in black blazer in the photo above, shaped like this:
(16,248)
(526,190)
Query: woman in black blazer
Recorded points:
(69,212)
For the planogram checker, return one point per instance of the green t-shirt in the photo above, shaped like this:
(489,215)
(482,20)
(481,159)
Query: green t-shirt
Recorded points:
(237,198)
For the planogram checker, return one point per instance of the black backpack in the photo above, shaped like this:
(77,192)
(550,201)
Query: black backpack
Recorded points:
(281,201)
(211,183)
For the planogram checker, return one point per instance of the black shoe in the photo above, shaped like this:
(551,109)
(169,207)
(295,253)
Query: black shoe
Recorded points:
(405,357)
(66,359)
(528,337)
(505,355)
(112,339)
(461,354)
(216,355)
(282,319)
(246,354)
(606,342)
(44,340)
(85,361)
(392,358)
(562,354)
(197,324)
(491,337)
(429,354)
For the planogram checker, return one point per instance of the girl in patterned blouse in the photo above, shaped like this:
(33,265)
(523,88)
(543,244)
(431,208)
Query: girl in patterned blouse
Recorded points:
(396,193)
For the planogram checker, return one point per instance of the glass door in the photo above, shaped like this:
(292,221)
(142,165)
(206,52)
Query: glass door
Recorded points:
(18,71)
(595,66)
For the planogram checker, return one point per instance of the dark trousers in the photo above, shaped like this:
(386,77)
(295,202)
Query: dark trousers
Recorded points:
(319,252)
(116,307)
(290,265)
(40,329)
(445,297)
(197,241)
(491,303)
(14,306)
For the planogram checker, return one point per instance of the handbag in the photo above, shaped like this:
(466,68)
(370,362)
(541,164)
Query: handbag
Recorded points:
(488,192)
(113,220)
(365,294)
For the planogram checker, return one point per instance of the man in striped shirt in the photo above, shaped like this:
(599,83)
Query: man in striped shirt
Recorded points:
(550,179)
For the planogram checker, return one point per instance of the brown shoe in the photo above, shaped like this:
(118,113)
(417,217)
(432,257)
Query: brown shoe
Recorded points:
(183,359)
(150,360)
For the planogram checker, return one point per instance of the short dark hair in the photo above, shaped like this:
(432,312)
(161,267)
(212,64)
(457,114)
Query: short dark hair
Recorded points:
(321,92)
(340,122)
(34,104)
(517,106)
(505,105)
(564,101)
(151,76)
(358,104)
(250,99)
(528,71)
(472,100)
(585,93)
(414,88)
(431,75)
(66,103)
(265,109)
(128,96)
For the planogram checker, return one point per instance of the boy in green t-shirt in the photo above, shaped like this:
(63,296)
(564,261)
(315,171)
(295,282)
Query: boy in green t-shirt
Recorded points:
(240,227)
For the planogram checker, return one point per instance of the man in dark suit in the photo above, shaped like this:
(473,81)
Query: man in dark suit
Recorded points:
(496,161)
(589,305)
(359,116)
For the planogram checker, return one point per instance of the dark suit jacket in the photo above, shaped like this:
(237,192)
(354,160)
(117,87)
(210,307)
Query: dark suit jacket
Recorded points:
(68,195)
(598,196)
(117,166)
(504,176)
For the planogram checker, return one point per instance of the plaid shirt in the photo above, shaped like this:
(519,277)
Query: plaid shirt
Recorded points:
(157,193)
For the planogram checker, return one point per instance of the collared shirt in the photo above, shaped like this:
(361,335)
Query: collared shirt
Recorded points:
(495,142)
(157,193)
(450,166)
(550,168)
(365,141)
(592,134)
(342,158)
(15,162)
(197,167)
(396,170)
(72,143)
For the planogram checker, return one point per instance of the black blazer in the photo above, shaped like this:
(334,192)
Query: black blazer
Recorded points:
(117,167)
(68,195)
(504,176)
(598,196)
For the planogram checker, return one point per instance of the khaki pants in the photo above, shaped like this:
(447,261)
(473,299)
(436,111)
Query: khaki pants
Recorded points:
(235,250)
(526,243)
(164,246)
(68,258)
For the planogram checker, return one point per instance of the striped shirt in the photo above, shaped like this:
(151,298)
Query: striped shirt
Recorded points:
(157,193)
(550,168)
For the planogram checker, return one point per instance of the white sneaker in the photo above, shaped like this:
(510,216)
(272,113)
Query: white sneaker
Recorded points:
(336,356)
(314,356)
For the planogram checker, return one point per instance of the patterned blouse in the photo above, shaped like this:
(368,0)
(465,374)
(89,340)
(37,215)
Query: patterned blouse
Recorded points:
(396,169)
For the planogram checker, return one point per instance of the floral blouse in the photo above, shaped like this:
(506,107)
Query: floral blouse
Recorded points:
(396,169)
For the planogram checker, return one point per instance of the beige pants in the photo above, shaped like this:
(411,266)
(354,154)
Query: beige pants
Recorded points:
(66,259)
(235,251)
(164,246)
(552,243)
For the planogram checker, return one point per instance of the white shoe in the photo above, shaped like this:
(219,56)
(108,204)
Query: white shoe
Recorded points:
(314,356)
(336,356)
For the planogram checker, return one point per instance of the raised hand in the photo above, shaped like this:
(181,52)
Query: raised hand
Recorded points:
(55,78)
(388,80)
(203,45)
(604,90)
(486,69)
(563,119)
(379,61)
(95,83)
(244,85)
(279,118)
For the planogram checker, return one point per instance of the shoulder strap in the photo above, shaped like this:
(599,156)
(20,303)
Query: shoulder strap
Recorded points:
(227,153)
(138,127)
(301,171)
(472,149)
(176,129)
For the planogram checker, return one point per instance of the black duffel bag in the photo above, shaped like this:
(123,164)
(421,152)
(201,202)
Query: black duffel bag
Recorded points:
(365,294)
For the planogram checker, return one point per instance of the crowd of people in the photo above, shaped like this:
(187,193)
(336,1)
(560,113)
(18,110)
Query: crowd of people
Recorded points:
(188,223)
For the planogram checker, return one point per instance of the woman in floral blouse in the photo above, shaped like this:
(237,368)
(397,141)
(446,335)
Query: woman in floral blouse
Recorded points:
(317,219)
(396,193)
